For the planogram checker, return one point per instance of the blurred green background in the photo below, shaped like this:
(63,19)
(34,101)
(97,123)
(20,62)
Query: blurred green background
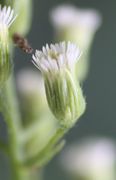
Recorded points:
(100,86)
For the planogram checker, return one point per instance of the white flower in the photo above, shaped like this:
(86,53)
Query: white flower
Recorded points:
(7,17)
(56,57)
(64,95)
(92,157)
(67,15)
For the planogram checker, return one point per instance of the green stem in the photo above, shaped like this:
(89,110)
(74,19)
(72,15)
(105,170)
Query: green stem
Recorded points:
(12,117)
(13,103)
(54,141)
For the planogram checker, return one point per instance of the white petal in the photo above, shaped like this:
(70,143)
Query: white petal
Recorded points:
(7,16)
(66,54)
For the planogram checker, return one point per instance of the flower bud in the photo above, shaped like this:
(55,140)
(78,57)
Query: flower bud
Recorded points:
(78,26)
(64,95)
(6,19)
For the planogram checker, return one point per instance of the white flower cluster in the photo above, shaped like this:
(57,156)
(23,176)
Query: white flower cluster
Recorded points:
(56,57)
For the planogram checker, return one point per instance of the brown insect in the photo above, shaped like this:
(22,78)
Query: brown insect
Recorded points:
(22,43)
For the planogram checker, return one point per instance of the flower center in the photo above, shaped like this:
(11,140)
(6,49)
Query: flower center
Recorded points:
(54,55)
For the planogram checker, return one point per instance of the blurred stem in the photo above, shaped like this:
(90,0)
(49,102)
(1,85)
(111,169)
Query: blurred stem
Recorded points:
(11,104)
(53,142)
(12,117)
(9,108)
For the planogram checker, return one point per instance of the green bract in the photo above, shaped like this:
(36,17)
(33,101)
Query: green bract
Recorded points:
(6,19)
(65,98)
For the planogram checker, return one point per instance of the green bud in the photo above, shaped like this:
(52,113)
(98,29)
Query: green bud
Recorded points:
(5,64)
(65,98)
(64,95)
(5,22)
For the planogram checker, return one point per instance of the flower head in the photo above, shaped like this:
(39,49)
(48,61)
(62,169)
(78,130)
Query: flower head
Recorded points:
(56,57)
(64,95)
(7,17)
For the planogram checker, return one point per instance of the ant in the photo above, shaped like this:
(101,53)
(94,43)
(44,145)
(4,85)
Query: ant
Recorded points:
(22,43)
